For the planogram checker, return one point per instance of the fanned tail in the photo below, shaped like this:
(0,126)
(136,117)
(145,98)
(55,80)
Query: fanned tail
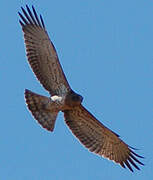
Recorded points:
(40,109)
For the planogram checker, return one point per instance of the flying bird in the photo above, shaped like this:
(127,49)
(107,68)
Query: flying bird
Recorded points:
(44,61)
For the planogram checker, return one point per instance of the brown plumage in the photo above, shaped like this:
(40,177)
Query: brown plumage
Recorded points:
(44,62)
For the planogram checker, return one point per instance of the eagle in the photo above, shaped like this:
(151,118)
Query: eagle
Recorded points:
(44,61)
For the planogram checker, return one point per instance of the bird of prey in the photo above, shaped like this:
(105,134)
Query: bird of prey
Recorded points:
(43,59)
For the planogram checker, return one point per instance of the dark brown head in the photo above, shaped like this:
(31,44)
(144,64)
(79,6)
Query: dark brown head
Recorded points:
(73,99)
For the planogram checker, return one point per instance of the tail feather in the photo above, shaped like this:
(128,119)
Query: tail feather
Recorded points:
(38,104)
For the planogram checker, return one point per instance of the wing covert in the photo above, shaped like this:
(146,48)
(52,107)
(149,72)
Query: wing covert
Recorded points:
(41,53)
(98,138)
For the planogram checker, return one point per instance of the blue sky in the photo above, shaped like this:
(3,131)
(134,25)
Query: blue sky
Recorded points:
(106,50)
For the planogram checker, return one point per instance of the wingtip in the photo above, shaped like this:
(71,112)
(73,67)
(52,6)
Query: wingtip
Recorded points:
(27,6)
(43,24)
(22,8)
(19,13)
(33,8)
(137,154)
(21,23)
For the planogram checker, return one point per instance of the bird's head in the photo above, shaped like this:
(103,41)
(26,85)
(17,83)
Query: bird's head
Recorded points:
(73,99)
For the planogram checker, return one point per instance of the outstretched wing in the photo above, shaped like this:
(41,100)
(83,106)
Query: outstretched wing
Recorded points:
(99,139)
(41,53)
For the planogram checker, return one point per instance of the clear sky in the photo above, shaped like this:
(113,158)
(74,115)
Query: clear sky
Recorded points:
(106,50)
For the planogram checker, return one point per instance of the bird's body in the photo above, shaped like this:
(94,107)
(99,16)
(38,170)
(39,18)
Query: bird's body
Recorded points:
(44,62)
